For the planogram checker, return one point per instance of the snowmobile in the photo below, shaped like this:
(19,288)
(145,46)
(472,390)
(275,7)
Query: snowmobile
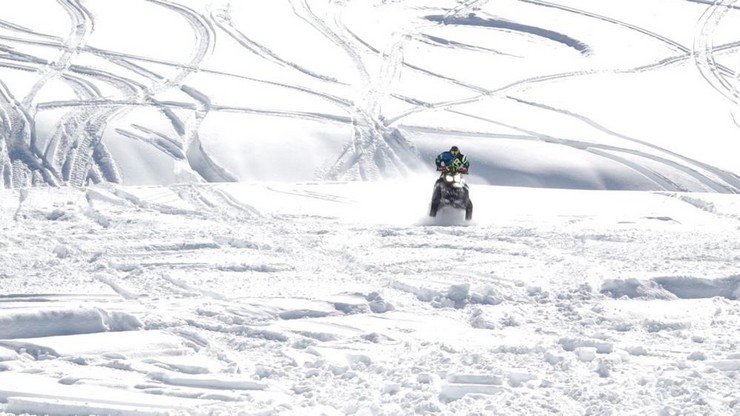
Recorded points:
(450,190)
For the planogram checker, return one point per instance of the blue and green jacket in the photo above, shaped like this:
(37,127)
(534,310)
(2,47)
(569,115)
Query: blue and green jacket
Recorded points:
(447,159)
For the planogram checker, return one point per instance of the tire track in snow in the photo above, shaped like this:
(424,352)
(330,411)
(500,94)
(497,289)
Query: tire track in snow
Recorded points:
(18,28)
(686,54)
(475,21)
(605,151)
(6,166)
(713,2)
(131,57)
(145,93)
(22,166)
(91,145)
(216,200)
(198,158)
(205,41)
(375,148)
(81,24)
(85,156)
(731,183)
(189,143)
(195,153)
(702,41)
(303,10)
(670,43)
(529,82)
(365,139)
(704,50)
(78,132)
(222,18)
(196,148)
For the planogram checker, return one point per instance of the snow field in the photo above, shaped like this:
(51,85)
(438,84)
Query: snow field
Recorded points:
(286,299)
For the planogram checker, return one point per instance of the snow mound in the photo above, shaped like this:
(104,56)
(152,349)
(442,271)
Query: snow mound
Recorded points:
(35,323)
(673,287)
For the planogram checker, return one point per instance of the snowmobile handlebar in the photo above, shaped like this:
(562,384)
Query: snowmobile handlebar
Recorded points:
(451,169)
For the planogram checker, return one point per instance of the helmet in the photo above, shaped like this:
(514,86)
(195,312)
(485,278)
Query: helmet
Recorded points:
(454,150)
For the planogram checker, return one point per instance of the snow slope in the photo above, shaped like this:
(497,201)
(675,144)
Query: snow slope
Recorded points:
(344,298)
(629,95)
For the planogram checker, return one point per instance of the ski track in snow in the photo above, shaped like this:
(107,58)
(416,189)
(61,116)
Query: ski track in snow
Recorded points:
(201,299)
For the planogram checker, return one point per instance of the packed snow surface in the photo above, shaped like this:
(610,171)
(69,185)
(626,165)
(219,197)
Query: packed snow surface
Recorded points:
(344,298)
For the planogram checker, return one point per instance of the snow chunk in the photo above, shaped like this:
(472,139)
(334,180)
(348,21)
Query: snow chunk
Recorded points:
(54,407)
(637,351)
(585,354)
(601,347)
(7,355)
(447,293)
(697,288)
(36,390)
(634,288)
(451,392)
(652,325)
(672,287)
(111,344)
(43,323)
(726,365)
(495,380)
(62,251)
(603,368)
(208,381)
(61,215)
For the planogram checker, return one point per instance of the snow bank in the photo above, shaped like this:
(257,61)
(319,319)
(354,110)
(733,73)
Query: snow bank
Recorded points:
(671,287)
(132,344)
(58,407)
(43,323)
(37,394)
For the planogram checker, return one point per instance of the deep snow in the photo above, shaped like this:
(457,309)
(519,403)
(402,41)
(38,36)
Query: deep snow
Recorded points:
(629,95)
(345,298)
(207,233)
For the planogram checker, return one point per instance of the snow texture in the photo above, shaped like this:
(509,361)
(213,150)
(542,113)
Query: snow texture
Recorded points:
(220,208)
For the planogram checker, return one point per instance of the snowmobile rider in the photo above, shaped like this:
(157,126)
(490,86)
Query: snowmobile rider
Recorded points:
(452,161)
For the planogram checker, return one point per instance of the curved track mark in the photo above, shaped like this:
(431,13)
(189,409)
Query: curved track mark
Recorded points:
(223,20)
(474,20)
(600,150)
(731,184)
(205,41)
(22,29)
(671,43)
(304,12)
(704,50)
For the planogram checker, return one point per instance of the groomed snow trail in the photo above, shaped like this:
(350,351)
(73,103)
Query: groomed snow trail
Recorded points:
(344,298)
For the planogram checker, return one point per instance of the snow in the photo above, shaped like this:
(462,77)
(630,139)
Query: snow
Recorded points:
(220,207)
(284,299)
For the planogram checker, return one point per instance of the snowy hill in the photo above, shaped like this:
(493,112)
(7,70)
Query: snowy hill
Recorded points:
(215,239)
(614,95)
